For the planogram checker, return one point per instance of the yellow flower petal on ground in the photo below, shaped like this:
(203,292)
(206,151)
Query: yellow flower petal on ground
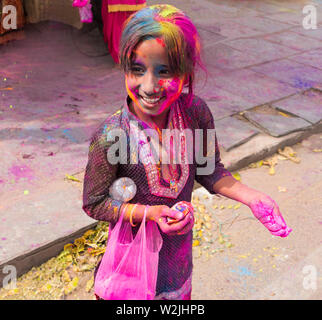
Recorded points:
(89,284)
(201,208)
(259,163)
(68,247)
(88,233)
(196,243)
(271,171)
(221,240)
(281,189)
(47,287)
(208,225)
(65,276)
(69,177)
(71,286)
(284,114)
(236,175)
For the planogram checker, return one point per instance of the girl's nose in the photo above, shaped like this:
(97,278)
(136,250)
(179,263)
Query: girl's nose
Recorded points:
(150,85)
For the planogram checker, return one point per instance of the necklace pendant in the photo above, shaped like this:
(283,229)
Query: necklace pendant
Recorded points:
(173,185)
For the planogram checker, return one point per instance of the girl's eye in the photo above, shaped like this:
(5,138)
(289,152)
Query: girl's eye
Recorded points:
(165,72)
(137,70)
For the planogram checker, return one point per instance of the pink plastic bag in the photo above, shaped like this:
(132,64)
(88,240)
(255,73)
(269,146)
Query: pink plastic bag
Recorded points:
(129,267)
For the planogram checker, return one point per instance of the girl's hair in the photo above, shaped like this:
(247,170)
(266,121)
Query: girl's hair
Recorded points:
(178,33)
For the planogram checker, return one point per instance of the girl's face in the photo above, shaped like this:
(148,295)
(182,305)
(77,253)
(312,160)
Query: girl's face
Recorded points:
(149,82)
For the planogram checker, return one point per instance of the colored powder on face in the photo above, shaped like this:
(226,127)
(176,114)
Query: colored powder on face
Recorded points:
(160,41)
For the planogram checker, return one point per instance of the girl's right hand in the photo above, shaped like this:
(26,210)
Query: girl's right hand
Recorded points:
(160,215)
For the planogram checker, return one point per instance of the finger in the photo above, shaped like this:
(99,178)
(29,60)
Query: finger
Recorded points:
(164,226)
(273,227)
(287,232)
(178,226)
(173,215)
(282,233)
(278,216)
(279,233)
(188,227)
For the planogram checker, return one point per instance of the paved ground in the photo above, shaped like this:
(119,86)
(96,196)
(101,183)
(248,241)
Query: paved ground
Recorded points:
(58,84)
(259,265)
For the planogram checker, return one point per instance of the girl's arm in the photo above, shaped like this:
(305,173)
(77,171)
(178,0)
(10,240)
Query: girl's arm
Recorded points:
(263,207)
(231,188)
(99,175)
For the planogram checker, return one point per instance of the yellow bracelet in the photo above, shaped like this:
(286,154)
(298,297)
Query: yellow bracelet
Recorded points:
(124,209)
(131,221)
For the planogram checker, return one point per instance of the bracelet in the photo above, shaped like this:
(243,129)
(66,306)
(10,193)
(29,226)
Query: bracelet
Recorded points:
(146,210)
(124,209)
(131,221)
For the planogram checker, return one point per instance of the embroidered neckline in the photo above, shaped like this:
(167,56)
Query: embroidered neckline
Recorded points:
(175,121)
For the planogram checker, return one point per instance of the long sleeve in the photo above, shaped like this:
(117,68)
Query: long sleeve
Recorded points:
(99,175)
(210,150)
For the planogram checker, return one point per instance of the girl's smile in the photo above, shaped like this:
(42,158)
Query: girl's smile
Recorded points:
(150,83)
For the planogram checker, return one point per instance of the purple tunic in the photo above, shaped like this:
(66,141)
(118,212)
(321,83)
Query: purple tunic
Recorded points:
(175,258)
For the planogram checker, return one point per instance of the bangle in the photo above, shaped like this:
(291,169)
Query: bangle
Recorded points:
(131,213)
(146,211)
(124,209)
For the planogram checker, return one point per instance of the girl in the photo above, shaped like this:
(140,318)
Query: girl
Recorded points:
(159,51)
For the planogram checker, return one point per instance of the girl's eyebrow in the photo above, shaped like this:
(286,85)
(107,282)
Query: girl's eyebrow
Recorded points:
(163,65)
(159,66)
(137,63)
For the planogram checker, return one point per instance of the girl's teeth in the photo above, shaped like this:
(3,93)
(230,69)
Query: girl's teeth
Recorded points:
(151,100)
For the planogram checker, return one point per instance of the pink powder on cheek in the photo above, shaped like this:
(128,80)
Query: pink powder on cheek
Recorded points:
(171,85)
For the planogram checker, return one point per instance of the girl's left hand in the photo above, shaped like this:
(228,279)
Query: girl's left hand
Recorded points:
(267,212)
(188,223)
